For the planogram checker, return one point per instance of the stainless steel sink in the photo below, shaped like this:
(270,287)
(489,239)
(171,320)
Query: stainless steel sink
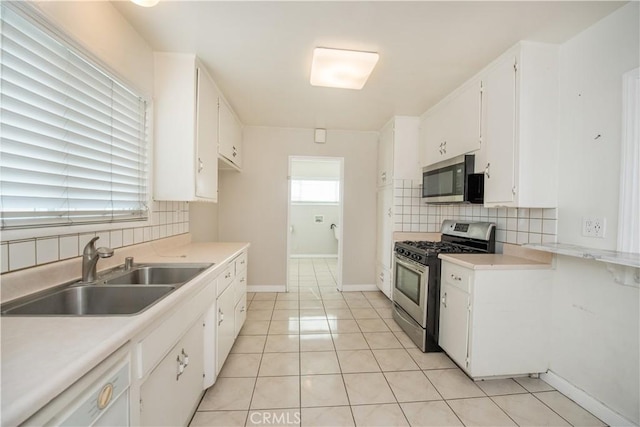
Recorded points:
(93,300)
(157,275)
(116,292)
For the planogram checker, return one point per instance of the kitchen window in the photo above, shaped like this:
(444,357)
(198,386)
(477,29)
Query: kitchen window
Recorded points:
(315,191)
(73,145)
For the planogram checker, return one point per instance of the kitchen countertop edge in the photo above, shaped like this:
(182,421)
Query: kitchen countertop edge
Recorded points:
(494,262)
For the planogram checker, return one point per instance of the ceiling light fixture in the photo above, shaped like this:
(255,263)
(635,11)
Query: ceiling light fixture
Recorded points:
(346,69)
(146,3)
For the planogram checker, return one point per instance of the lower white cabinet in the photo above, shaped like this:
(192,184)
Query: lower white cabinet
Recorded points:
(225,333)
(231,307)
(495,322)
(171,392)
(383,279)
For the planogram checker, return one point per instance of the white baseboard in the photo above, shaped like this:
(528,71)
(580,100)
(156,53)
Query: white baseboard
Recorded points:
(359,288)
(582,398)
(268,288)
(315,256)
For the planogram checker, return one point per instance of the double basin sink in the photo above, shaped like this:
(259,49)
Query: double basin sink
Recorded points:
(118,292)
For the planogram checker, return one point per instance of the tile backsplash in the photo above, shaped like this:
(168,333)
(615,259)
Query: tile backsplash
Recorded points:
(515,226)
(167,219)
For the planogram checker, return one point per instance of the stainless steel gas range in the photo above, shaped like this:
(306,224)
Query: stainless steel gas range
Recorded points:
(416,291)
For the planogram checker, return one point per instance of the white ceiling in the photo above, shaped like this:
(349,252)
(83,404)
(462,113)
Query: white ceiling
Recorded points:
(260,52)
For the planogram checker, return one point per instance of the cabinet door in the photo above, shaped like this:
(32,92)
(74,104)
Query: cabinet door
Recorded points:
(383,279)
(454,323)
(499,117)
(385,155)
(432,139)
(206,138)
(230,135)
(225,333)
(171,393)
(463,122)
(240,314)
(384,226)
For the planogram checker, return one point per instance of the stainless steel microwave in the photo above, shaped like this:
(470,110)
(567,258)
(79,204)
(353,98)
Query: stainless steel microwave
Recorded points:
(453,181)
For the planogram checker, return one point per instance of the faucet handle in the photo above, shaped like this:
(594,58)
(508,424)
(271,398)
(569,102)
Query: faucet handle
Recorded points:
(90,247)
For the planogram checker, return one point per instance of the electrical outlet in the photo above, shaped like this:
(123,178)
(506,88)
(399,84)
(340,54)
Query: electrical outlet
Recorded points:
(594,226)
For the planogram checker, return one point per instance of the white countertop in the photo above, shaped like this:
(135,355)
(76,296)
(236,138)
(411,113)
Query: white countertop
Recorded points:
(494,262)
(42,356)
(603,255)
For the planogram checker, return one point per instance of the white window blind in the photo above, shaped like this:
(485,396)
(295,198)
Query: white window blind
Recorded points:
(315,191)
(72,139)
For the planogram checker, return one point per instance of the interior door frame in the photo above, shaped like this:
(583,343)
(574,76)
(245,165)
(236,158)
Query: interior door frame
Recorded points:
(293,158)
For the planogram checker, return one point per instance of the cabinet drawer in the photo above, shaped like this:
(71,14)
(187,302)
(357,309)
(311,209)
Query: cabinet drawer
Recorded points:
(226,278)
(457,276)
(153,347)
(241,263)
(240,286)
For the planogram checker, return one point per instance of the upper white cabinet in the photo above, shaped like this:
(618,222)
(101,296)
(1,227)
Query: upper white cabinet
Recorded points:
(520,105)
(452,127)
(230,137)
(397,150)
(186,130)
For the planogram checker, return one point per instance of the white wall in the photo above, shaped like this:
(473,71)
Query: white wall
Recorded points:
(99,28)
(203,220)
(253,204)
(309,237)
(595,323)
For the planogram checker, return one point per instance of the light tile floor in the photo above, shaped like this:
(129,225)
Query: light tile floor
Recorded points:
(317,357)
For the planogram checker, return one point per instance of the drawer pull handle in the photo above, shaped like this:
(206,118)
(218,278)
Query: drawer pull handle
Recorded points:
(444,300)
(181,367)
(456,278)
(226,276)
(220,317)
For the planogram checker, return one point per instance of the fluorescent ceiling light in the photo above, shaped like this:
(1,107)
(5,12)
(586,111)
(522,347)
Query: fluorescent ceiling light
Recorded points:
(347,69)
(146,3)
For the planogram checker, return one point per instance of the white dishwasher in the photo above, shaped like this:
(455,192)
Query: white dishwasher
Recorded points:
(100,398)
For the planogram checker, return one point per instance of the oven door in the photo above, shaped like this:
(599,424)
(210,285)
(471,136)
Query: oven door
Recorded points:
(410,288)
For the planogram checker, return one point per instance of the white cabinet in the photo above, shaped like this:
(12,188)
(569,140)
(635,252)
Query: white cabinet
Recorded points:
(225,331)
(231,307)
(384,246)
(519,155)
(240,293)
(455,303)
(397,159)
(186,130)
(452,127)
(495,322)
(385,155)
(230,137)
(171,393)
(398,151)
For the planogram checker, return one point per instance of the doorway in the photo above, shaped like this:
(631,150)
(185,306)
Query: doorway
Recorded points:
(314,224)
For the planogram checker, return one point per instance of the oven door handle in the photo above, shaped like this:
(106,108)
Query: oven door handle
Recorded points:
(411,265)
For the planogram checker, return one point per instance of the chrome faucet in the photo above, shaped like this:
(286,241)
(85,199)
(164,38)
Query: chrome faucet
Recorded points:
(90,257)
